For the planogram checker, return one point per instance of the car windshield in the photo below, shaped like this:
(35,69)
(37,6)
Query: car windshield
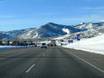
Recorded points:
(51,38)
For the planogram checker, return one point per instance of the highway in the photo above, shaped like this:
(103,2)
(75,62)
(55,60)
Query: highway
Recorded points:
(53,62)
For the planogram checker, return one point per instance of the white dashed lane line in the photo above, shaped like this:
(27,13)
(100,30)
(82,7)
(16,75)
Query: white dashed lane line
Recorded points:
(30,68)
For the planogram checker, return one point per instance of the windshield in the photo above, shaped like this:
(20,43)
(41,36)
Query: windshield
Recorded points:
(51,38)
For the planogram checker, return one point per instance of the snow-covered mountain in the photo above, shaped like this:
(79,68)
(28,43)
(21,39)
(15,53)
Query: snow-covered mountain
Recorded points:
(91,29)
(87,25)
(15,33)
(28,34)
(4,36)
(55,30)
(47,30)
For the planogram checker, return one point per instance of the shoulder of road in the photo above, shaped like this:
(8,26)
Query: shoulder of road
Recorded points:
(94,59)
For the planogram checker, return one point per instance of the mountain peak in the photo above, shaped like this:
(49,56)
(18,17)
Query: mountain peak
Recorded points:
(51,23)
(50,30)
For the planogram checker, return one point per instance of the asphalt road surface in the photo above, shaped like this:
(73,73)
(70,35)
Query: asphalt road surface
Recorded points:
(53,62)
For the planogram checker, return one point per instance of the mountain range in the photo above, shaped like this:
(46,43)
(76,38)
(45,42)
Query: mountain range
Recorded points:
(53,30)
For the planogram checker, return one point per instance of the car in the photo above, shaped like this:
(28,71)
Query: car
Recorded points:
(44,45)
(51,44)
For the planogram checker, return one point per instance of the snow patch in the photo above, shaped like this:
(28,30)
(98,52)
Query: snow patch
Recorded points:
(66,30)
(95,45)
(1,47)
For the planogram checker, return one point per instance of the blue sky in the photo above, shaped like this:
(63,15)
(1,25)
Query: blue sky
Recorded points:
(20,14)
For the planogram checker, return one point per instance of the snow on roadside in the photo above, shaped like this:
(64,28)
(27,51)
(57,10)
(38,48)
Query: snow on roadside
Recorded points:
(1,47)
(95,45)
(47,42)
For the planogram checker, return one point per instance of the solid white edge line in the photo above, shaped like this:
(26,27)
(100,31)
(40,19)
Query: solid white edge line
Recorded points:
(29,69)
(89,63)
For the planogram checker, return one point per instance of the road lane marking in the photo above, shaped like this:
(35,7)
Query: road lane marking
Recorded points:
(29,69)
(89,63)
(95,67)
